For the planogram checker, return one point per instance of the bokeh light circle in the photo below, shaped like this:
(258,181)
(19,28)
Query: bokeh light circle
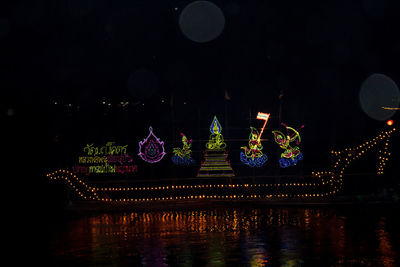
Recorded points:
(379,96)
(202,21)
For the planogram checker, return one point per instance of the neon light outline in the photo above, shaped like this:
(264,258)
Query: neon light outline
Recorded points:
(216,140)
(253,156)
(215,156)
(182,156)
(265,117)
(291,155)
(153,143)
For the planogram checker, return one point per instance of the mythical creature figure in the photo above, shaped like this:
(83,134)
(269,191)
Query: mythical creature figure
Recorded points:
(291,154)
(253,155)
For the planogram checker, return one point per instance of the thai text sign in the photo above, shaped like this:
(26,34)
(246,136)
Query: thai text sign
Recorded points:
(109,158)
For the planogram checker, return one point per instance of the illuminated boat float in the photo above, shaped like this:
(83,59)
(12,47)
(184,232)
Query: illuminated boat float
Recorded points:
(215,180)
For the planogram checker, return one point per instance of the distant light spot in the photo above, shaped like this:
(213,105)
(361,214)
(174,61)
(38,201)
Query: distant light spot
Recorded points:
(202,21)
(379,91)
(391,108)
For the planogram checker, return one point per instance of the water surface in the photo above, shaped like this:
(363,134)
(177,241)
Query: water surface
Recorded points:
(349,236)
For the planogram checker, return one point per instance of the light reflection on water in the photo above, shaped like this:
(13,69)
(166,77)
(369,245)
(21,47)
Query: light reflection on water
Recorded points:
(231,237)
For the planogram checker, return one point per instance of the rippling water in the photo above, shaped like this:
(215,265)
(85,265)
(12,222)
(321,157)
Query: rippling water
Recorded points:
(229,237)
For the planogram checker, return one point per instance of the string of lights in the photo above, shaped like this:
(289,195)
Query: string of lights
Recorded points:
(87,192)
(344,158)
(348,155)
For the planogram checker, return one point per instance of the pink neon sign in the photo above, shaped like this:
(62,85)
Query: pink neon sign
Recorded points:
(151,149)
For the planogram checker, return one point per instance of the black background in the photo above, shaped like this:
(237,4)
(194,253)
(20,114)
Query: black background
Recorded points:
(80,54)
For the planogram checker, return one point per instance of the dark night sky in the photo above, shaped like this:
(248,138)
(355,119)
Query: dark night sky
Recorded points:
(86,52)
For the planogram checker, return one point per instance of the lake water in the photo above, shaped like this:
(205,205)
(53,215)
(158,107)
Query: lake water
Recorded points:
(351,236)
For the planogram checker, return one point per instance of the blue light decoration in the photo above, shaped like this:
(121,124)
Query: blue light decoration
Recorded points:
(291,155)
(215,126)
(284,162)
(151,149)
(182,156)
(253,156)
(256,162)
(182,161)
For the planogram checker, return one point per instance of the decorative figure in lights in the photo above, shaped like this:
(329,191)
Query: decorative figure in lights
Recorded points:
(216,163)
(151,149)
(182,156)
(216,141)
(291,155)
(253,155)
